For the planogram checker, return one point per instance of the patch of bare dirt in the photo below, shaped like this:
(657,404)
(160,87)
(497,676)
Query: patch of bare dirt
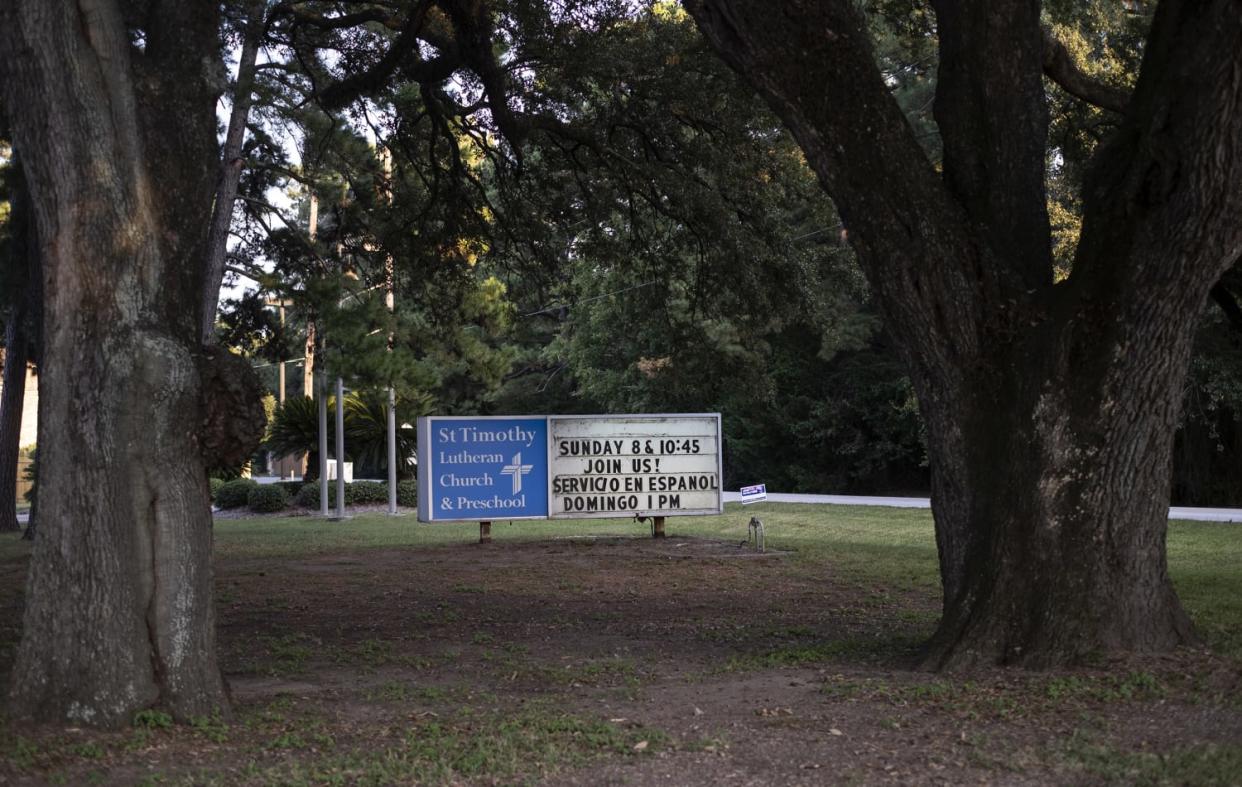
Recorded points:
(700,662)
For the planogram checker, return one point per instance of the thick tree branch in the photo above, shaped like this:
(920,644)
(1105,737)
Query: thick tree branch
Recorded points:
(301,15)
(475,36)
(1158,208)
(992,114)
(230,169)
(1059,66)
(912,238)
(402,49)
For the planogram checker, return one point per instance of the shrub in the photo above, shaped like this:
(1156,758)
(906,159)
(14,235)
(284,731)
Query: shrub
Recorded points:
(266,498)
(361,492)
(31,474)
(357,493)
(291,487)
(215,484)
(407,494)
(235,493)
(229,473)
(308,495)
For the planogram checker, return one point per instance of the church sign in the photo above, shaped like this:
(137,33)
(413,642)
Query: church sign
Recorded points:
(568,467)
(482,468)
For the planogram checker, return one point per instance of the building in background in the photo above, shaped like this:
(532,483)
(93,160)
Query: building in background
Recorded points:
(30,427)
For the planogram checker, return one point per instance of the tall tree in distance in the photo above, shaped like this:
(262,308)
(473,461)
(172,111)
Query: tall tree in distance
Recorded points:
(1050,405)
(114,120)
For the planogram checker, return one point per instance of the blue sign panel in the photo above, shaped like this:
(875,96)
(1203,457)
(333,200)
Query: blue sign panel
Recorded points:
(482,468)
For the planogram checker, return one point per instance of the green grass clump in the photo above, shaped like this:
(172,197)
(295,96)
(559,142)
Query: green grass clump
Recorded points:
(1207,765)
(472,747)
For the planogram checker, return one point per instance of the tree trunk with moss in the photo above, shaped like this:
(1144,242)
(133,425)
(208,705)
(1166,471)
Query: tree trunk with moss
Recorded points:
(1050,408)
(116,130)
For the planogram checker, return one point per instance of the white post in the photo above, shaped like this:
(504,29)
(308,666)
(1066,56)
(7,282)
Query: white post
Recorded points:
(340,448)
(392,450)
(323,443)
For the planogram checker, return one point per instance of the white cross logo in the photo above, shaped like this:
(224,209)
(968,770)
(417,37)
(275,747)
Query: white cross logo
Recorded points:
(517,470)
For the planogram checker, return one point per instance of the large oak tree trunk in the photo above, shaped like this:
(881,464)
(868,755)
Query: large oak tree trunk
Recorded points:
(1068,442)
(1051,409)
(118,142)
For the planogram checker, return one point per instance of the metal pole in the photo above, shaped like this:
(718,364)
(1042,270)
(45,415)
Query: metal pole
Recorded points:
(323,443)
(392,450)
(390,300)
(340,448)
(280,396)
(281,386)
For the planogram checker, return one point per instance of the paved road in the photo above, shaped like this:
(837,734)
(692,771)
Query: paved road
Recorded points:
(1176,512)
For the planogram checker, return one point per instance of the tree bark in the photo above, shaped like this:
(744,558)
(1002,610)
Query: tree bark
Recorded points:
(1050,409)
(118,142)
(231,167)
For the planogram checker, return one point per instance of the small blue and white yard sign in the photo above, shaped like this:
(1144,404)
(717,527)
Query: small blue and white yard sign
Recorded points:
(754,494)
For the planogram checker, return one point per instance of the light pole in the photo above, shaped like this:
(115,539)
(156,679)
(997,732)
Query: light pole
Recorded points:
(390,277)
(340,448)
(323,443)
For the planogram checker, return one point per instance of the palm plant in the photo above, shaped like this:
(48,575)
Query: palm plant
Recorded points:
(366,428)
(294,429)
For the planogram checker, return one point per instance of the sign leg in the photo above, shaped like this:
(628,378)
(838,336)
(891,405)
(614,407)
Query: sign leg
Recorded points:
(485,532)
(657,527)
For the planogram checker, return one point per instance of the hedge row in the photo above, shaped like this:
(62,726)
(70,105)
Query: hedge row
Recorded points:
(359,493)
(266,498)
(235,493)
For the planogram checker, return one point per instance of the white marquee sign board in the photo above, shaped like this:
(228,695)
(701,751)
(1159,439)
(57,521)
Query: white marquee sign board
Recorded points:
(615,466)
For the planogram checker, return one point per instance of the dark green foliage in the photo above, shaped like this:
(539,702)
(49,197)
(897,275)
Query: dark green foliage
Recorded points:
(366,430)
(848,424)
(235,493)
(228,473)
(291,487)
(407,494)
(357,493)
(31,475)
(1207,460)
(214,485)
(308,495)
(267,498)
(366,492)
(295,428)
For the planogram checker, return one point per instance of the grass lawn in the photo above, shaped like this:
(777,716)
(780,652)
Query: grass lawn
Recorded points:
(888,547)
(383,651)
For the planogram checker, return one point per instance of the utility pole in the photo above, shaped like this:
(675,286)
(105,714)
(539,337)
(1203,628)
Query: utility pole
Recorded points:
(308,353)
(322,392)
(340,448)
(390,276)
(282,464)
(320,378)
